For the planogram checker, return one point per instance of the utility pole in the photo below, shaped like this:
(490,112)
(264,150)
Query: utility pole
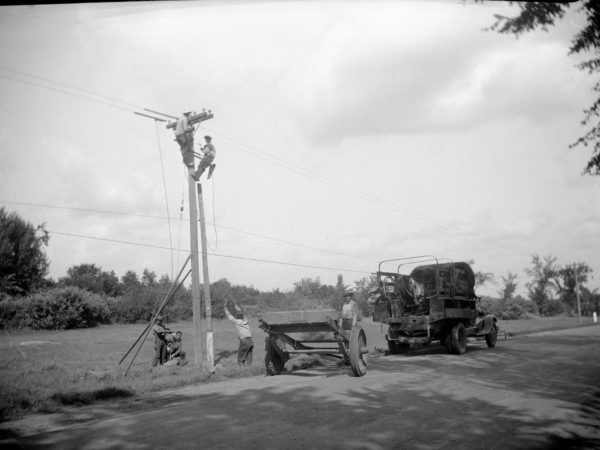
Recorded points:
(209,331)
(196,310)
(577,293)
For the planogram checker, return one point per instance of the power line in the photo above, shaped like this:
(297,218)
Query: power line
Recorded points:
(270,238)
(131,107)
(257,152)
(243,258)
(324,180)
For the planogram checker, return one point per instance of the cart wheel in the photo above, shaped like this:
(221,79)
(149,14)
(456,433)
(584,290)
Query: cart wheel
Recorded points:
(458,339)
(274,363)
(492,337)
(395,347)
(358,351)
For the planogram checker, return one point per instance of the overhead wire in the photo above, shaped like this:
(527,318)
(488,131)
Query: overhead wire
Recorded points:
(261,236)
(340,186)
(250,233)
(252,150)
(165,189)
(244,258)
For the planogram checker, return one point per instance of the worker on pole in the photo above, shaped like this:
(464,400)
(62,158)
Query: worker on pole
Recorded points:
(184,135)
(207,158)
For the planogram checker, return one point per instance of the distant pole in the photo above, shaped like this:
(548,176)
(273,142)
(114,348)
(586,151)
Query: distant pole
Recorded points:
(577,294)
(196,309)
(206,283)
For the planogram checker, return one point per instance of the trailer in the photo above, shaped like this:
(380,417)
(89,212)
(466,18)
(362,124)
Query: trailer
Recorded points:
(312,332)
(433,302)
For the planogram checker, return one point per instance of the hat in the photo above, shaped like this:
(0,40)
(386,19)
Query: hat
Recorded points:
(348,293)
(208,137)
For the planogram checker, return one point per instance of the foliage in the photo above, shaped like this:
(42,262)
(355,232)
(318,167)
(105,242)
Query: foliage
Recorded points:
(509,286)
(55,309)
(544,14)
(542,287)
(23,263)
(568,280)
(93,279)
(517,308)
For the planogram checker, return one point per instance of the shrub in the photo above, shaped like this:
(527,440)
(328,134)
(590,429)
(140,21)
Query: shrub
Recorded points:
(55,309)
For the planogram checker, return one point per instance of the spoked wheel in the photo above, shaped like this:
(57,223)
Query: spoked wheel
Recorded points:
(396,348)
(492,337)
(458,338)
(358,351)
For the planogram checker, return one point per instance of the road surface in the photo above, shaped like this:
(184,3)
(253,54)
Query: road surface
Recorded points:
(536,391)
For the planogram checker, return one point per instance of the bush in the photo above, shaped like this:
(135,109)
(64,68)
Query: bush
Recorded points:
(55,309)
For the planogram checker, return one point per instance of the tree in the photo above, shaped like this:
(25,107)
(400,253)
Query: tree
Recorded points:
(535,15)
(149,278)
(567,279)
(481,278)
(130,281)
(93,279)
(542,286)
(23,263)
(509,286)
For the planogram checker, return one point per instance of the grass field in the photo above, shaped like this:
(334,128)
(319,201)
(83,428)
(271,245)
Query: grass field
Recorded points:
(42,370)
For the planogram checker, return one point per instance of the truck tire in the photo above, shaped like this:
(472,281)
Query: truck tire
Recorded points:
(492,337)
(458,338)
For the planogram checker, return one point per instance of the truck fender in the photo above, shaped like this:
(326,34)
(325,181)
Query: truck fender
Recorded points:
(485,325)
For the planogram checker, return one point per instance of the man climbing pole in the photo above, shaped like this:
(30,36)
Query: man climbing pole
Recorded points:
(184,135)
(208,156)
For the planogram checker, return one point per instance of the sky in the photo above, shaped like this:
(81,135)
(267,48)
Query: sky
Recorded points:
(346,133)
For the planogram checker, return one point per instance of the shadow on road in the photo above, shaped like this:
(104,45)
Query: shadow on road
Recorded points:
(487,398)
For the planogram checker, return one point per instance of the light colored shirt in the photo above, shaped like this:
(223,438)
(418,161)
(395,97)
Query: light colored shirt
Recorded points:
(209,150)
(241,325)
(350,311)
(182,126)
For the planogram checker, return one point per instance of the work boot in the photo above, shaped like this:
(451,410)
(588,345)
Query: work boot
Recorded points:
(210,170)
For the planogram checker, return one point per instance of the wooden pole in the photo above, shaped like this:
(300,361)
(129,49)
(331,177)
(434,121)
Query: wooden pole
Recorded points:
(577,294)
(196,310)
(206,284)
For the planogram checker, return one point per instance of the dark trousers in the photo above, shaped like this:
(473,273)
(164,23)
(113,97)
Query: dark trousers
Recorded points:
(186,142)
(160,352)
(245,351)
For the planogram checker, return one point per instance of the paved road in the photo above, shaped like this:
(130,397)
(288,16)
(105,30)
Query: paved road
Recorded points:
(537,391)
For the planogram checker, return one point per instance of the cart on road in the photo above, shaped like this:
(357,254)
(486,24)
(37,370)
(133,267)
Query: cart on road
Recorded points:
(312,332)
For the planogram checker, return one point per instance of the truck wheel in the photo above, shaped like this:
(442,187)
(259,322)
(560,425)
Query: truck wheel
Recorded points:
(458,338)
(395,347)
(358,351)
(492,337)
(446,340)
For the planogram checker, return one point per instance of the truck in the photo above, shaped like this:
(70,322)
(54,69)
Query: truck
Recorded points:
(435,301)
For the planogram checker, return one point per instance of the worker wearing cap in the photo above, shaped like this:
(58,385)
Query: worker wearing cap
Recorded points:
(160,341)
(236,315)
(349,316)
(184,135)
(208,156)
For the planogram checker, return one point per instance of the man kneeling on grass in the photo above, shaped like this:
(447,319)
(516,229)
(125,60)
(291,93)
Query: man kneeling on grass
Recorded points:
(236,315)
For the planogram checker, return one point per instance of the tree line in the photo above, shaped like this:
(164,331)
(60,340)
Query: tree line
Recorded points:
(89,295)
